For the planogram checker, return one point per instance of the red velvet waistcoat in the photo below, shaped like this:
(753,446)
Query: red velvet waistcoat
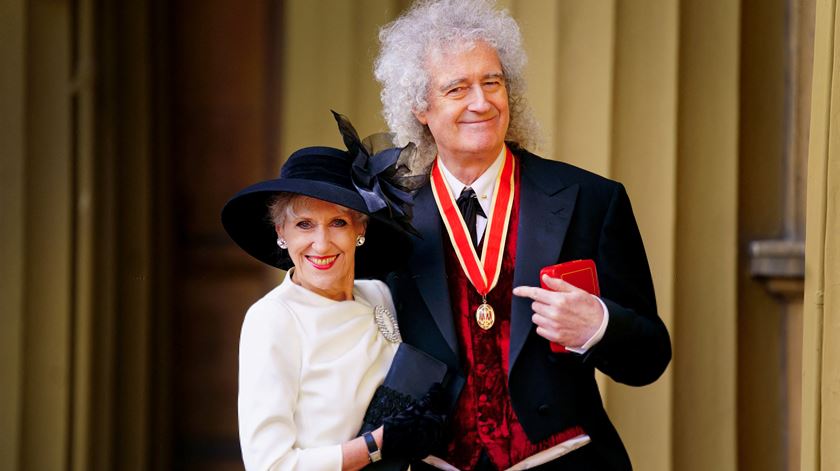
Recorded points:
(484,417)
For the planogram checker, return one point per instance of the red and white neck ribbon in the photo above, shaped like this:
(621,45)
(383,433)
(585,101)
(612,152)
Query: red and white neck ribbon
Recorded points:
(483,273)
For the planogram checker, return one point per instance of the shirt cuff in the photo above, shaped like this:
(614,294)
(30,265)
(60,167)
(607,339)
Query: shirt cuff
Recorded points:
(598,335)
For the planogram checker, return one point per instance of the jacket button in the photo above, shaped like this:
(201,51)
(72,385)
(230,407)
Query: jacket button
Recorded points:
(543,409)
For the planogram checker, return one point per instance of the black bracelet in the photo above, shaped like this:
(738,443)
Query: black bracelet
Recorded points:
(374,454)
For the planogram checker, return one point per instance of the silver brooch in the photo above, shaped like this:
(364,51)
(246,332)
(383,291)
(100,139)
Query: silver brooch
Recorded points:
(387,324)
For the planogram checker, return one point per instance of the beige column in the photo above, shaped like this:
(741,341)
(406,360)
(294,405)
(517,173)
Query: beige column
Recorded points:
(644,158)
(86,291)
(131,226)
(821,317)
(47,196)
(705,295)
(12,239)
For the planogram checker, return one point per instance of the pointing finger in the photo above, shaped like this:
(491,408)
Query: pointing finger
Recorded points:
(557,284)
(537,294)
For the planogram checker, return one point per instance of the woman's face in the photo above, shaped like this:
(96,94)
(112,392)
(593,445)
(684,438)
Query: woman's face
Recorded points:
(321,239)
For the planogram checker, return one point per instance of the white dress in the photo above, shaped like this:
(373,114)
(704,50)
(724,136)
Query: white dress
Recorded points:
(308,367)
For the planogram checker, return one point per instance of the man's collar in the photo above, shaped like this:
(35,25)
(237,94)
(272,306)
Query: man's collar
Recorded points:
(483,185)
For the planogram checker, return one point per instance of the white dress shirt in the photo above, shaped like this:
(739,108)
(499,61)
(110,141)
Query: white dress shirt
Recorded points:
(484,186)
(308,368)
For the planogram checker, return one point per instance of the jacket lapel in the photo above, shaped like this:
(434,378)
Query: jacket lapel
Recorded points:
(545,210)
(428,267)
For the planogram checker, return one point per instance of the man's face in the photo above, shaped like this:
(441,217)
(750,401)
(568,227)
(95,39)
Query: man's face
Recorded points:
(468,111)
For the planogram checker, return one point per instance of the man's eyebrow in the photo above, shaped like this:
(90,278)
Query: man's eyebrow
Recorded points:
(452,83)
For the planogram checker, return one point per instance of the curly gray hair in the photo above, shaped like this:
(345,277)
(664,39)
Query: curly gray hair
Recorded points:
(441,25)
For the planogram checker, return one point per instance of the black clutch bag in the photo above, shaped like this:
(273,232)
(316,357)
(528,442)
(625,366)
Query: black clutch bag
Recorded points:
(412,373)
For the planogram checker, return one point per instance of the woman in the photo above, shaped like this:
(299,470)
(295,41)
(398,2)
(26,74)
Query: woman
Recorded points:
(315,348)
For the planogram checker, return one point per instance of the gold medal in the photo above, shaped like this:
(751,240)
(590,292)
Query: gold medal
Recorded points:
(485,316)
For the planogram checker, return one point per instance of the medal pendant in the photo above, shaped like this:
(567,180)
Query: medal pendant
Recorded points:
(485,316)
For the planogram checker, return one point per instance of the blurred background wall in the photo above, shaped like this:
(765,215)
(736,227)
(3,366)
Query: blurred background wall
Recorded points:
(125,126)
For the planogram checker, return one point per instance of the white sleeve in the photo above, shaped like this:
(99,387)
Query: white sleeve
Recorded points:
(598,335)
(269,376)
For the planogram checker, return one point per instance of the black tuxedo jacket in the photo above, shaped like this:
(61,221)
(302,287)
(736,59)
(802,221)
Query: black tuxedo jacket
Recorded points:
(565,213)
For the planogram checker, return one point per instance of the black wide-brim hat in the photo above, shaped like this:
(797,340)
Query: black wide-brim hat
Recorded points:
(326,174)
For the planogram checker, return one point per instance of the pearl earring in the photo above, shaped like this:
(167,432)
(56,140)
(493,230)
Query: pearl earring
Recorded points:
(282,243)
(360,240)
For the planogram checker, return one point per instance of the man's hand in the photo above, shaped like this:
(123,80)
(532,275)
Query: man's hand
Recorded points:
(564,314)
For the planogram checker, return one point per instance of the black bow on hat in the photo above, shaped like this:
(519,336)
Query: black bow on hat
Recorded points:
(374,174)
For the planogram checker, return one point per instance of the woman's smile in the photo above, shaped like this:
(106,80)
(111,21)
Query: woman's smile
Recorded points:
(322,263)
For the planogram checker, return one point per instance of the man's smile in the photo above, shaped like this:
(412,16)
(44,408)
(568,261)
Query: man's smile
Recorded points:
(480,120)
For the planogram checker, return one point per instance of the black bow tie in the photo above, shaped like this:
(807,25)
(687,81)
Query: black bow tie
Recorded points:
(468,204)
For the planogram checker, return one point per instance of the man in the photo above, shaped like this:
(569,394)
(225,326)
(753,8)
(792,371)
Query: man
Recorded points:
(492,216)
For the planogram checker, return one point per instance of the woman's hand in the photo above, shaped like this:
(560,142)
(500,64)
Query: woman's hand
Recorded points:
(418,430)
